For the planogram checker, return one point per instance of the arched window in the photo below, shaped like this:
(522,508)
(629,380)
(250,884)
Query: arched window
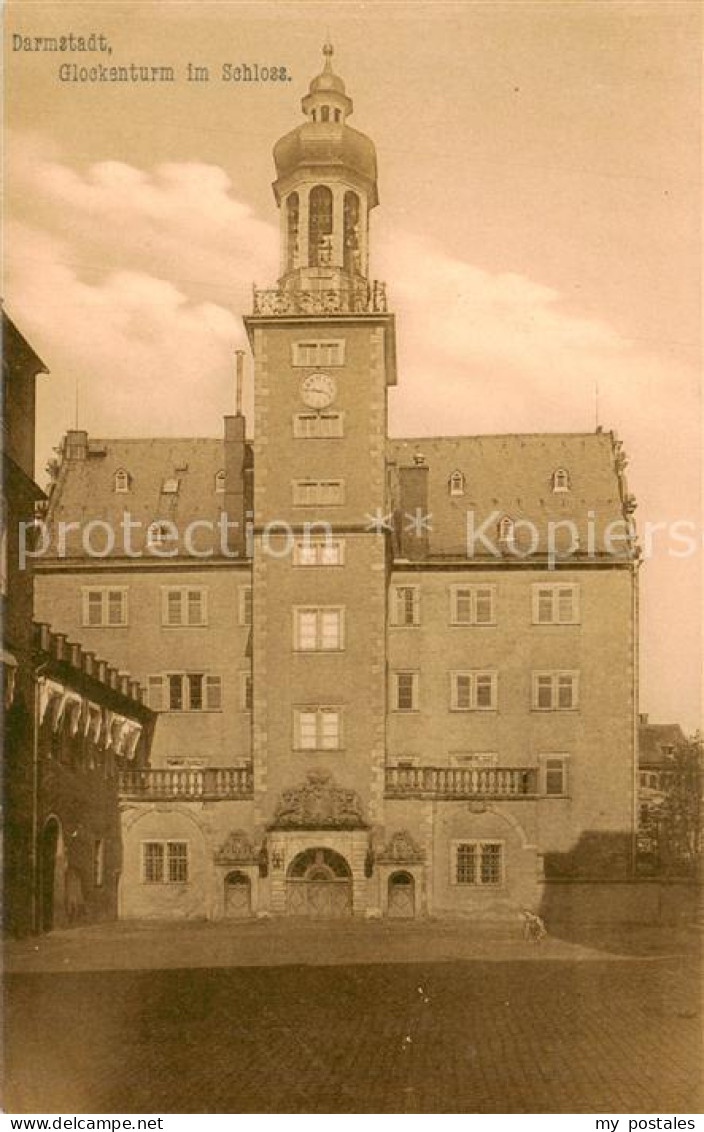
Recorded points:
(351,232)
(561,480)
(320,226)
(292,220)
(220,480)
(122,481)
(338,115)
(325,114)
(506,531)
(457,483)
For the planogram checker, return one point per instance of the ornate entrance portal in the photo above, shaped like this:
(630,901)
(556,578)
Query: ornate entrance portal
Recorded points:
(319,885)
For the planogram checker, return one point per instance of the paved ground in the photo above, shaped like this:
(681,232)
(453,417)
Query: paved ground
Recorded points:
(351,1018)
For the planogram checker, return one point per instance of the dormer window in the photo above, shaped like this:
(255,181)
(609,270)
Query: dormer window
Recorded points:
(170,487)
(560,480)
(122,482)
(457,483)
(220,480)
(160,533)
(506,531)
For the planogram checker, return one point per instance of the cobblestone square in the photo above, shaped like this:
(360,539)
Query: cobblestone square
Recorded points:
(291,1023)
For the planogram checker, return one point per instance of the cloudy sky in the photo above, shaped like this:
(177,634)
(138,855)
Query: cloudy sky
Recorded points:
(538,230)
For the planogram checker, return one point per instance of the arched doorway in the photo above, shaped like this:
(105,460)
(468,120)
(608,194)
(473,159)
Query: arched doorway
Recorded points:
(402,896)
(319,885)
(50,895)
(238,896)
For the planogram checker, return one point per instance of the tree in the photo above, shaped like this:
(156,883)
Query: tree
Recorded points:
(676,825)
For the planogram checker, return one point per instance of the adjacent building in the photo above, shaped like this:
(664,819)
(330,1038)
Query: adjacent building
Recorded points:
(410,688)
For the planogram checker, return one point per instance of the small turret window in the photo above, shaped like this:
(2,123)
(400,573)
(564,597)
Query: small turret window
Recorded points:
(320,226)
(122,481)
(338,115)
(351,232)
(560,480)
(457,483)
(220,480)
(292,221)
(325,114)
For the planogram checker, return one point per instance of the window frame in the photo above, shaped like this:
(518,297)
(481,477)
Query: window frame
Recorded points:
(104,592)
(473,588)
(211,692)
(554,757)
(415,690)
(246,691)
(299,433)
(166,860)
(184,592)
(319,545)
(561,481)
(415,590)
(457,483)
(555,676)
(298,485)
(477,844)
(473,675)
(318,611)
(121,481)
(245,608)
(554,588)
(319,710)
(319,361)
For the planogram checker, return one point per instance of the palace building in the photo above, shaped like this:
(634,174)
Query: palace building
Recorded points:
(362,710)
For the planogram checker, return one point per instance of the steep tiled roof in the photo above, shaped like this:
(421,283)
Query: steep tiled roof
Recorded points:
(655,740)
(512,475)
(85,488)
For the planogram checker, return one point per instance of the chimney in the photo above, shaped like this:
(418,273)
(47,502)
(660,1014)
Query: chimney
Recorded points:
(234,467)
(413,510)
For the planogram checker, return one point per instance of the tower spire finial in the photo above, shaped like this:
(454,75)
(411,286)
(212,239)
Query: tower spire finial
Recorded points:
(328,51)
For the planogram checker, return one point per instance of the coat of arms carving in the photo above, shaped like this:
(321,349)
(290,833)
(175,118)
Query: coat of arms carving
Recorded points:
(236,850)
(401,849)
(319,804)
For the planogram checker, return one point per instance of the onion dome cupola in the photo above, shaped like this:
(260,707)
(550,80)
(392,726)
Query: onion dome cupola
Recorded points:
(325,187)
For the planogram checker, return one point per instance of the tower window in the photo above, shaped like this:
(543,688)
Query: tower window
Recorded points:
(338,115)
(560,480)
(325,114)
(220,480)
(322,352)
(292,222)
(320,226)
(457,483)
(350,213)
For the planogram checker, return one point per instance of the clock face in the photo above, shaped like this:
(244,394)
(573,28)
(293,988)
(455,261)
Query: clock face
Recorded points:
(318,390)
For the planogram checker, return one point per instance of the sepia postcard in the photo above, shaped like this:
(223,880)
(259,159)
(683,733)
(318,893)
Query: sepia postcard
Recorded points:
(352,562)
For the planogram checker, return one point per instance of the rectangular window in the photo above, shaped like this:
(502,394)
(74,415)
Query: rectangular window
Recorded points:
(319,552)
(555,691)
(317,729)
(554,774)
(105,606)
(319,629)
(472,605)
(246,691)
(318,426)
(181,606)
(478,863)
(245,601)
(473,691)
(406,605)
(165,862)
(318,493)
(405,691)
(319,352)
(98,862)
(185,691)
(555,605)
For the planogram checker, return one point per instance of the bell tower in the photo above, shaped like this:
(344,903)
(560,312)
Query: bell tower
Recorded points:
(323,343)
(325,189)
